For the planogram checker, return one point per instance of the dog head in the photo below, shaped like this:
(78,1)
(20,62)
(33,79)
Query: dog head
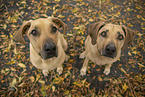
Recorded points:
(42,34)
(110,38)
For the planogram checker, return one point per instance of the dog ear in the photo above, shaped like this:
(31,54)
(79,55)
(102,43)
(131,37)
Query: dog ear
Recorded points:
(94,29)
(60,24)
(129,36)
(22,30)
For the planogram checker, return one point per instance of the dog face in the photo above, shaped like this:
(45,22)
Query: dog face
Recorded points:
(42,34)
(110,38)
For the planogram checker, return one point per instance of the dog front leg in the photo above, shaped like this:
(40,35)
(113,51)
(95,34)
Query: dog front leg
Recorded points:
(84,68)
(107,69)
(82,55)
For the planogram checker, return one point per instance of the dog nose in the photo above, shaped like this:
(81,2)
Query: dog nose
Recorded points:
(50,48)
(110,48)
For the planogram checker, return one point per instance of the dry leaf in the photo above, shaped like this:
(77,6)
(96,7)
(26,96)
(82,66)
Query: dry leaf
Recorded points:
(32,78)
(125,87)
(123,70)
(100,79)
(22,65)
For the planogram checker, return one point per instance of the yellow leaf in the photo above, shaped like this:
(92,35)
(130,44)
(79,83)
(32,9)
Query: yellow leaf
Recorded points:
(44,15)
(47,1)
(61,16)
(123,70)
(100,79)
(11,35)
(53,88)
(129,54)
(55,11)
(135,52)
(143,18)
(57,0)
(125,87)
(130,25)
(76,28)
(82,42)
(4,26)
(32,78)
(66,92)
(89,10)
(137,7)
(22,65)
(117,14)
(141,65)
(3,36)
(13,69)
(123,21)
(77,84)
(37,77)
(41,81)
(13,82)
(15,50)
(91,20)
(7,69)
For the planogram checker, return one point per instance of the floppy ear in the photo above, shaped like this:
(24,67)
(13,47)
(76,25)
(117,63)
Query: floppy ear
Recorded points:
(94,29)
(129,36)
(60,24)
(22,30)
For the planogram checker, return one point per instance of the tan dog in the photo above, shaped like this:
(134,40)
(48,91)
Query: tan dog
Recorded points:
(104,44)
(47,44)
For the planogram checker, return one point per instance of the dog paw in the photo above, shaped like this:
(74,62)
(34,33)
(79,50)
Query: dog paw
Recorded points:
(106,71)
(45,72)
(59,70)
(82,55)
(67,57)
(83,71)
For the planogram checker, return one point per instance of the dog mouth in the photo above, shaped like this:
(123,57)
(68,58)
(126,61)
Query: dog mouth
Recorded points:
(47,56)
(110,55)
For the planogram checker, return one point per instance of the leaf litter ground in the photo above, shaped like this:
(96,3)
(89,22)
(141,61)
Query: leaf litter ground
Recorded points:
(18,77)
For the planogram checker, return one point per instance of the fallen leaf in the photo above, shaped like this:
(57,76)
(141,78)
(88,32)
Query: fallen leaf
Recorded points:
(125,87)
(32,78)
(57,0)
(100,79)
(22,65)
(14,82)
(123,70)
(53,88)
(37,77)
(141,65)
(60,16)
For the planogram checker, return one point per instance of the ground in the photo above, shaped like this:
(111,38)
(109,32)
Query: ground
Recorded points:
(18,77)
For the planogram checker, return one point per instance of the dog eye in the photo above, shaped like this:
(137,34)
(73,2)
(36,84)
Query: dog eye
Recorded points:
(120,37)
(103,34)
(54,29)
(34,32)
